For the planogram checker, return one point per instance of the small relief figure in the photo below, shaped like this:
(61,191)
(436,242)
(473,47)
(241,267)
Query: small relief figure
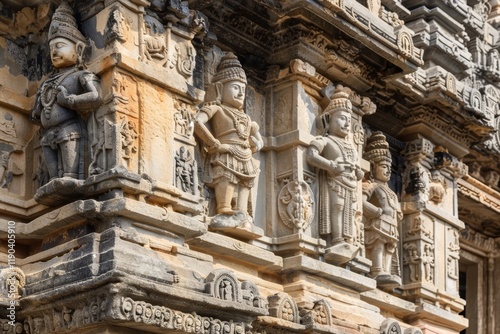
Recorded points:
(428,263)
(183,119)
(382,214)
(296,205)
(437,188)
(412,260)
(374,6)
(65,98)
(116,27)
(8,168)
(128,135)
(230,168)
(226,290)
(156,48)
(7,126)
(339,173)
(184,170)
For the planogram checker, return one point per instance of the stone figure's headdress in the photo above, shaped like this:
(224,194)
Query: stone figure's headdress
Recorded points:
(377,148)
(229,69)
(63,24)
(339,102)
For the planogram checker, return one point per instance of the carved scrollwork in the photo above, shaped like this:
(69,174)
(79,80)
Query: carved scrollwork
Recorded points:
(160,316)
(184,58)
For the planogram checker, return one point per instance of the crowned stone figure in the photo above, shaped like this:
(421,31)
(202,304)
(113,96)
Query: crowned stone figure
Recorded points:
(339,173)
(381,213)
(230,143)
(66,96)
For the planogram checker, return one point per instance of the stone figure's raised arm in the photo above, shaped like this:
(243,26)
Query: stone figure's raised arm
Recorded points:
(89,100)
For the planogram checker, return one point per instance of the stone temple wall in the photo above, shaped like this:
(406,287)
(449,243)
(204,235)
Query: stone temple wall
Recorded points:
(250,167)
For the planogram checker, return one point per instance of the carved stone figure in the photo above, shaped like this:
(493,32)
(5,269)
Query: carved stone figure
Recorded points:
(66,96)
(382,214)
(230,169)
(339,174)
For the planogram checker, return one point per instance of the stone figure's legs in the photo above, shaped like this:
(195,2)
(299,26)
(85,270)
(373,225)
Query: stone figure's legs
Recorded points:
(243,194)
(223,195)
(51,161)
(70,156)
(388,252)
(377,257)
(336,217)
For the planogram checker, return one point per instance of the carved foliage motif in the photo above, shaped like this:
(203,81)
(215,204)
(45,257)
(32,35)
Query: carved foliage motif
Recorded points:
(13,282)
(320,314)
(184,58)
(166,318)
(62,319)
(295,205)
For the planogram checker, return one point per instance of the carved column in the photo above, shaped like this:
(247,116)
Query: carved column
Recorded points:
(430,235)
(295,99)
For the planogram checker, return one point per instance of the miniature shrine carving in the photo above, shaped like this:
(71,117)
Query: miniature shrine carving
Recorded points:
(339,174)
(382,213)
(65,98)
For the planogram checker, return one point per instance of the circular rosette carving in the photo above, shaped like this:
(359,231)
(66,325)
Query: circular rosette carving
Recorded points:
(295,205)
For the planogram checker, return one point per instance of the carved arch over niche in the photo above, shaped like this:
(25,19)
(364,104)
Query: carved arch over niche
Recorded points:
(390,326)
(223,284)
(322,313)
(282,306)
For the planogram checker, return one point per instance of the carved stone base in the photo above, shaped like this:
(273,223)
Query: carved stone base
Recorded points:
(239,225)
(388,282)
(60,191)
(341,253)
(360,265)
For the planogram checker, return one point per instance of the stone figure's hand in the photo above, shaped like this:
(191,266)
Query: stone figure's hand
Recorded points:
(336,168)
(224,148)
(65,99)
(256,143)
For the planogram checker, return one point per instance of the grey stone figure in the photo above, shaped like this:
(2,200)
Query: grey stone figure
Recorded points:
(66,96)
(382,214)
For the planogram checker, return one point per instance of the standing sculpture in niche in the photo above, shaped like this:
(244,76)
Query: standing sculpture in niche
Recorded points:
(339,174)
(382,214)
(67,95)
(230,168)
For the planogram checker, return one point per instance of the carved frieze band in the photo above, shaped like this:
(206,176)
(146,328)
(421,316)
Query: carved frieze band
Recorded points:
(160,316)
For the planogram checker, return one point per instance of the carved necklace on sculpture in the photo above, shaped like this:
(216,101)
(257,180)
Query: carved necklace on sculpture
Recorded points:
(391,196)
(50,91)
(241,121)
(345,148)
